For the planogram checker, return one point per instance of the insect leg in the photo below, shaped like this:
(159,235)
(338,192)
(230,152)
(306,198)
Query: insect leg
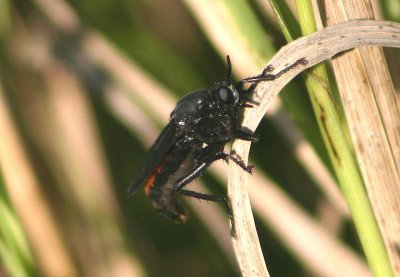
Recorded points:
(197,170)
(239,162)
(213,153)
(215,198)
(254,80)
(205,158)
(193,174)
(245,134)
(264,76)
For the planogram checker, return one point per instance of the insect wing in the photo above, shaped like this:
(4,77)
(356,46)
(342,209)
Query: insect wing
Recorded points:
(164,143)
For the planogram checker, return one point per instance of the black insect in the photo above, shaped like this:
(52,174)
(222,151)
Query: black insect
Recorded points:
(200,126)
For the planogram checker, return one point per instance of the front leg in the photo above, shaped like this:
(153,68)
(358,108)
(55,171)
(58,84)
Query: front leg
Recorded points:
(265,76)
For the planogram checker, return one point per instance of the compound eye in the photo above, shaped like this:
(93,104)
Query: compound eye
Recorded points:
(226,95)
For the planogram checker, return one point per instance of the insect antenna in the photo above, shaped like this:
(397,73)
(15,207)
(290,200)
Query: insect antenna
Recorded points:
(229,67)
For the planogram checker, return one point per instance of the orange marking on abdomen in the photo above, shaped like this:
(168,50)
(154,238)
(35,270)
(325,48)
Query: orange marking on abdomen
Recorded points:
(150,182)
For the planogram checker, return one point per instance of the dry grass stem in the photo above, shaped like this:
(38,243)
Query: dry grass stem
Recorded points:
(315,48)
(372,112)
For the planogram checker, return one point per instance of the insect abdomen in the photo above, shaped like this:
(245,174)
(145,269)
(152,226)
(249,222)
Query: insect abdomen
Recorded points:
(160,186)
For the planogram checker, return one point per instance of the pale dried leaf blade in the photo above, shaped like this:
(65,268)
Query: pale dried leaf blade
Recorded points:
(315,48)
(372,112)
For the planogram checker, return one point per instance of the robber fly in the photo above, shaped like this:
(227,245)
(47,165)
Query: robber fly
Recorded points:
(200,126)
